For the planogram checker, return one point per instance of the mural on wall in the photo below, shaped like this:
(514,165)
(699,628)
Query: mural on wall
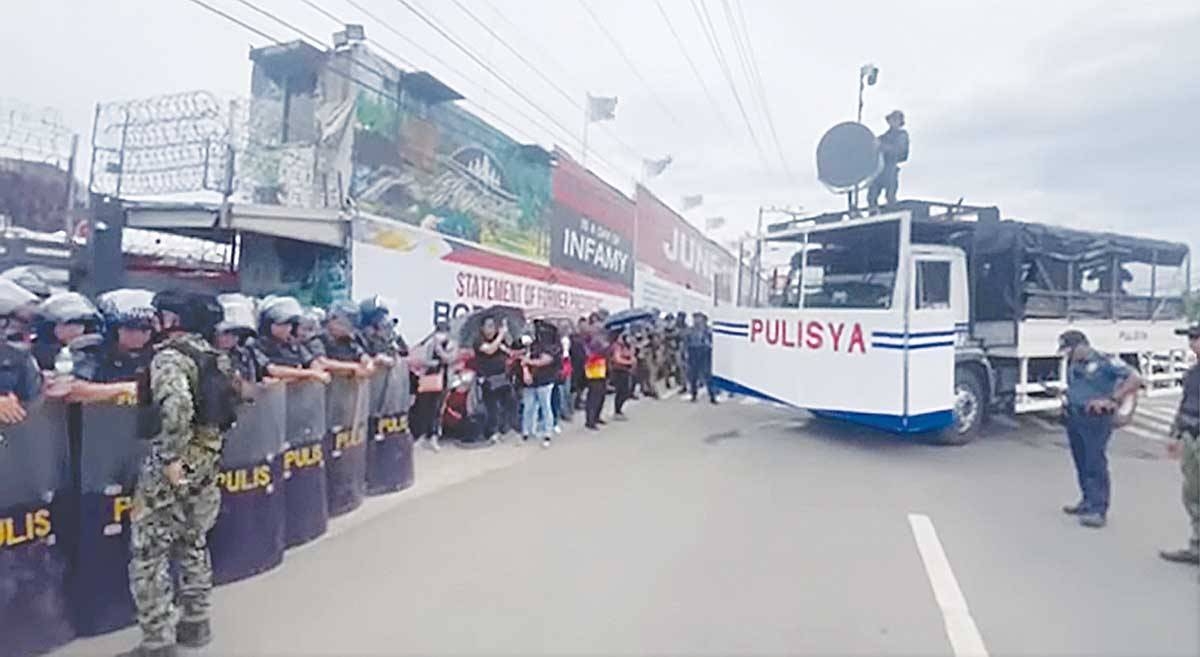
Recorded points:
(440,167)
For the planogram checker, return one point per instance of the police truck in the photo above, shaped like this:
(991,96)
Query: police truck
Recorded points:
(928,317)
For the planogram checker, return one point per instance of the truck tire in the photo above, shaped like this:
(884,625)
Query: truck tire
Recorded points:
(970,408)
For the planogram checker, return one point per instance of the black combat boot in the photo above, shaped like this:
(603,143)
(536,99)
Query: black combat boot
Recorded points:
(193,634)
(143,651)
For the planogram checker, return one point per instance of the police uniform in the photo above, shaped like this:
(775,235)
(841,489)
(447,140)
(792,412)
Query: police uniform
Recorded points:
(249,362)
(284,353)
(1093,378)
(1186,429)
(106,363)
(19,372)
(348,348)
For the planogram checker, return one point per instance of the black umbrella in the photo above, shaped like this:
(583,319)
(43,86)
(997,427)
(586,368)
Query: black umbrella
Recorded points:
(466,328)
(624,318)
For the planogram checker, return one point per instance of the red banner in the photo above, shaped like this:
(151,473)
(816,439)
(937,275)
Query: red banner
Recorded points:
(679,252)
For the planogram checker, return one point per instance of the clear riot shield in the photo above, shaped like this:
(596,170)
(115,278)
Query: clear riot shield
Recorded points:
(389,446)
(248,537)
(304,484)
(34,485)
(346,409)
(110,456)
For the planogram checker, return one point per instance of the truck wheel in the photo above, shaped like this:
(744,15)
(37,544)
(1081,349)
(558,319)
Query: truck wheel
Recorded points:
(970,407)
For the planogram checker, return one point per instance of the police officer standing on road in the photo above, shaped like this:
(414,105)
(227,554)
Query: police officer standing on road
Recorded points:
(20,378)
(1097,385)
(698,345)
(109,371)
(176,500)
(1186,447)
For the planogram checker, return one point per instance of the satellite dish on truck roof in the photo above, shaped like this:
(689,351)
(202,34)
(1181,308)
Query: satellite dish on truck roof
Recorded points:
(847,157)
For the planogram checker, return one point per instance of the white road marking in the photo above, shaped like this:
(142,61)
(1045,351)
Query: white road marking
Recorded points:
(1146,433)
(964,637)
(1157,413)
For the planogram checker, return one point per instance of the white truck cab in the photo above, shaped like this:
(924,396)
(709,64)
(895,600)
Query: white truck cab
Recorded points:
(928,318)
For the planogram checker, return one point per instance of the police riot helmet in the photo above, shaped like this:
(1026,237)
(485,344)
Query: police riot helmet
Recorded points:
(68,307)
(346,310)
(27,277)
(372,311)
(14,298)
(279,310)
(239,314)
(198,312)
(129,307)
(312,318)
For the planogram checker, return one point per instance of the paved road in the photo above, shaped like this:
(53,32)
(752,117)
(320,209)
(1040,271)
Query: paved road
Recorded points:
(739,529)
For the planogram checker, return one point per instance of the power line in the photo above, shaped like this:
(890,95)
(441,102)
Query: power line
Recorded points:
(332,69)
(714,44)
(574,100)
(263,12)
(628,61)
(482,64)
(750,68)
(692,64)
(386,25)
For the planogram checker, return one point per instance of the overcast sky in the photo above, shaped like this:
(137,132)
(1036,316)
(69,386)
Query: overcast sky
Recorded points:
(1065,112)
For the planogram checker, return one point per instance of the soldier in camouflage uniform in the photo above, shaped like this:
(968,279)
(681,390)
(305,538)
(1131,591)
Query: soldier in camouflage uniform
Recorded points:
(176,500)
(1186,447)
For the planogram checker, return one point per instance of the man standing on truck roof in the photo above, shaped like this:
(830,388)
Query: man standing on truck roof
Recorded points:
(1097,385)
(1186,447)
(893,147)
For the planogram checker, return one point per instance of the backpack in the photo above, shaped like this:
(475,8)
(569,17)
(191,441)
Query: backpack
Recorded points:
(215,399)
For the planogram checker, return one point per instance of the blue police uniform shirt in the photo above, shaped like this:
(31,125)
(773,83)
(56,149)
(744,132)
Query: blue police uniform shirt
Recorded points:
(19,372)
(107,364)
(698,339)
(1095,377)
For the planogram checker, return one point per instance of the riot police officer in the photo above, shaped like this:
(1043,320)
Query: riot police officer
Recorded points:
(1186,447)
(344,351)
(109,370)
(376,330)
(20,378)
(278,319)
(234,334)
(1097,385)
(63,318)
(308,331)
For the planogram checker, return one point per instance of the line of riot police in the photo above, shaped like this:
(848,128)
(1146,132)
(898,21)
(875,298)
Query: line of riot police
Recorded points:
(105,520)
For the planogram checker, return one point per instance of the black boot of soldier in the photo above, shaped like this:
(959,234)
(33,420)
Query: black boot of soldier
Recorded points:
(143,651)
(193,634)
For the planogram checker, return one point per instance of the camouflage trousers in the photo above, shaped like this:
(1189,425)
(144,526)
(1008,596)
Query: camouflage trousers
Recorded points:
(1190,465)
(171,524)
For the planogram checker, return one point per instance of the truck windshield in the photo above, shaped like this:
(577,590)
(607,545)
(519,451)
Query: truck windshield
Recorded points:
(850,267)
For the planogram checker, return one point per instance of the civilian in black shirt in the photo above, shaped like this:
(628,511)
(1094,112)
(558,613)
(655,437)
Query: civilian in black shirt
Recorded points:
(540,367)
(491,365)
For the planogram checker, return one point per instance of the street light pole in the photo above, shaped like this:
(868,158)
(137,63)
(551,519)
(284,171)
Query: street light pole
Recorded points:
(867,74)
